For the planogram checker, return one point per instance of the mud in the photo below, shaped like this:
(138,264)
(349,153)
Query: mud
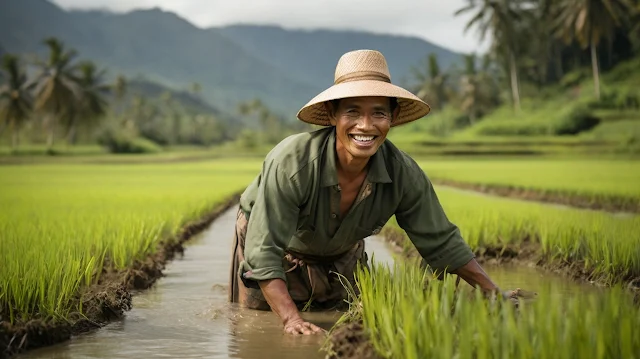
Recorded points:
(107,300)
(608,203)
(350,341)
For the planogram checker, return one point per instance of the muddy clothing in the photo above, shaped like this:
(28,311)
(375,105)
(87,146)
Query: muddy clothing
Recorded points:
(308,277)
(293,206)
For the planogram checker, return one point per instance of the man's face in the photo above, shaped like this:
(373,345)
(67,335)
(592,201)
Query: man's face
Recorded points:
(362,124)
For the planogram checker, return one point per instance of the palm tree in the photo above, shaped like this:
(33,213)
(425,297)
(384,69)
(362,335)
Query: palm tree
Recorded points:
(15,98)
(120,90)
(588,22)
(498,18)
(56,86)
(432,84)
(91,104)
(470,89)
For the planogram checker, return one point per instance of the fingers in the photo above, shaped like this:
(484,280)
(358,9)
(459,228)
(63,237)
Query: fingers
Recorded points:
(304,328)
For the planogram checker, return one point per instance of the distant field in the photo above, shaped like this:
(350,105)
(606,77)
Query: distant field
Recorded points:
(59,222)
(594,180)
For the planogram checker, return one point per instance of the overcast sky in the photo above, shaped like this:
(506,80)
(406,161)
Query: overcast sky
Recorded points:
(432,20)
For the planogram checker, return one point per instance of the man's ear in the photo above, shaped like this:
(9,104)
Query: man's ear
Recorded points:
(328,106)
(395,114)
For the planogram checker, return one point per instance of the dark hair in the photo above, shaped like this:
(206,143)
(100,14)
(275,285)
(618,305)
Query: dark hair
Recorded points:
(393,104)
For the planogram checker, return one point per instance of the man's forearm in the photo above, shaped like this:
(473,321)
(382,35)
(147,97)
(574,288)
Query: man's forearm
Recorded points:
(473,274)
(277,295)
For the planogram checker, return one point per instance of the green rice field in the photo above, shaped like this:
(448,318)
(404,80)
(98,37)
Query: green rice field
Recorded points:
(404,318)
(58,223)
(61,223)
(607,245)
(593,179)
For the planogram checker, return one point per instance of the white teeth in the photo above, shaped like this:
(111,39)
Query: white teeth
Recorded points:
(363,138)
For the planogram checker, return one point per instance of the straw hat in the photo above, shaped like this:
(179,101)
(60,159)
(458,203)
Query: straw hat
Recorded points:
(363,73)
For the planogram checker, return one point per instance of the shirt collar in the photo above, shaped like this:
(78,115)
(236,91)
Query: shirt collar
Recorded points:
(329,175)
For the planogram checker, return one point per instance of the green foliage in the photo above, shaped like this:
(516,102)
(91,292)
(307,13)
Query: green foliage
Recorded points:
(408,314)
(579,118)
(61,224)
(119,141)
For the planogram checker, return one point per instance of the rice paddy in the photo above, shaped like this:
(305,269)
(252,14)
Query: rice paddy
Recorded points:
(605,182)
(608,246)
(404,318)
(59,224)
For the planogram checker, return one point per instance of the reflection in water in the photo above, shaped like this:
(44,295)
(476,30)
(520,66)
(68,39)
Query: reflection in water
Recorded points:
(186,314)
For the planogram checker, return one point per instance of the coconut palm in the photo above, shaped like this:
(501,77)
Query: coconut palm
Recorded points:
(56,86)
(432,84)
(15,98)
(589,21)
(498,18)
(91,104)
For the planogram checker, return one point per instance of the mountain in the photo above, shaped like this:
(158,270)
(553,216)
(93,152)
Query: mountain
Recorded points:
(160,45)
(311,55)
(284,68)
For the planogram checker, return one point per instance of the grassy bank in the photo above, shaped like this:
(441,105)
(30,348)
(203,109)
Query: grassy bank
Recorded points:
(399,316)
(611,184)
(600,246)
(63,226)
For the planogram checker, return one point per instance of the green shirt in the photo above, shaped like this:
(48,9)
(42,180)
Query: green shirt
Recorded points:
(294,204)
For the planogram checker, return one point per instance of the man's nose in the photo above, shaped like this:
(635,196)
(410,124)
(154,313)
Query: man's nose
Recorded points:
(365,121)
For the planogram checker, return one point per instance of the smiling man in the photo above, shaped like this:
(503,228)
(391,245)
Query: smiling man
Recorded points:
(321,193)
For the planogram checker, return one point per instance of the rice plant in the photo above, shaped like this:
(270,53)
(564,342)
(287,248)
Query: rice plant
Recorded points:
(59,223)
(606,245)
(407,314)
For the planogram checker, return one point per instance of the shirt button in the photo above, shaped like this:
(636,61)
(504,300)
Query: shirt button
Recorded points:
(334,216)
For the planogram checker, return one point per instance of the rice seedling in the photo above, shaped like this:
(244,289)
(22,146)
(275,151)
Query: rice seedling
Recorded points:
(407,314)
(60,224)
(606,245)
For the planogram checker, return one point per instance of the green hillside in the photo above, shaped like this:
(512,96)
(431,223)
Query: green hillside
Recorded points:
(562,117)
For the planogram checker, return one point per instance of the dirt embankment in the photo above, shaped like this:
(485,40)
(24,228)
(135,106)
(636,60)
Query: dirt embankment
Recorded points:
(604,203)
(107,300)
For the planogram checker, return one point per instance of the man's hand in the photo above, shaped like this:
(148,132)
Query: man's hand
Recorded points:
(299,326)
(276,293)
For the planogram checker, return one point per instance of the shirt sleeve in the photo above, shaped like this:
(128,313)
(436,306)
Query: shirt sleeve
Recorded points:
(422,217)
(271,224)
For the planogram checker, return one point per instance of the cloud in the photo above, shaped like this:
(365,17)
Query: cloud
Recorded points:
(432,20)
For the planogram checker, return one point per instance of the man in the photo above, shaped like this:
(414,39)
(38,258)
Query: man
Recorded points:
(320,193)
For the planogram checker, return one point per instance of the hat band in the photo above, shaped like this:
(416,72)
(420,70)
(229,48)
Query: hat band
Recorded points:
(362,75)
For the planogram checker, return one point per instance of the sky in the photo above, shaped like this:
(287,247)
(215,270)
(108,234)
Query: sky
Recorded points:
(432,20)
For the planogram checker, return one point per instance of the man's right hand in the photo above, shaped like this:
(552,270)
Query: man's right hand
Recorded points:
(299,326)
(277,296)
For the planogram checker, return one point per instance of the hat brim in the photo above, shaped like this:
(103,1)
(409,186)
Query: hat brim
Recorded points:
(411,106)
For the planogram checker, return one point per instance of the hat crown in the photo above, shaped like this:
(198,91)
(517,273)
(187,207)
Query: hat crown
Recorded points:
(362,65)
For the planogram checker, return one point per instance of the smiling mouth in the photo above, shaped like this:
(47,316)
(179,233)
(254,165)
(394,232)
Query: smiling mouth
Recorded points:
(363,138)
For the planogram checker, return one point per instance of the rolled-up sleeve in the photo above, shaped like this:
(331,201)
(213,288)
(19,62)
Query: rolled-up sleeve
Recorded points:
(422,217)
(271,224)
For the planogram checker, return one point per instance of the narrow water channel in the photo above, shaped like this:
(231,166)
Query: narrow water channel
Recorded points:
(186,314)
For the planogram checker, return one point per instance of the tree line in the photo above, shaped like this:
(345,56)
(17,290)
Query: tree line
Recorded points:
(532,42)
(62,95)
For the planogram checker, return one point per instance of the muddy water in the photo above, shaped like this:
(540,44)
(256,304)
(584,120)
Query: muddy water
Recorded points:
(186,314)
